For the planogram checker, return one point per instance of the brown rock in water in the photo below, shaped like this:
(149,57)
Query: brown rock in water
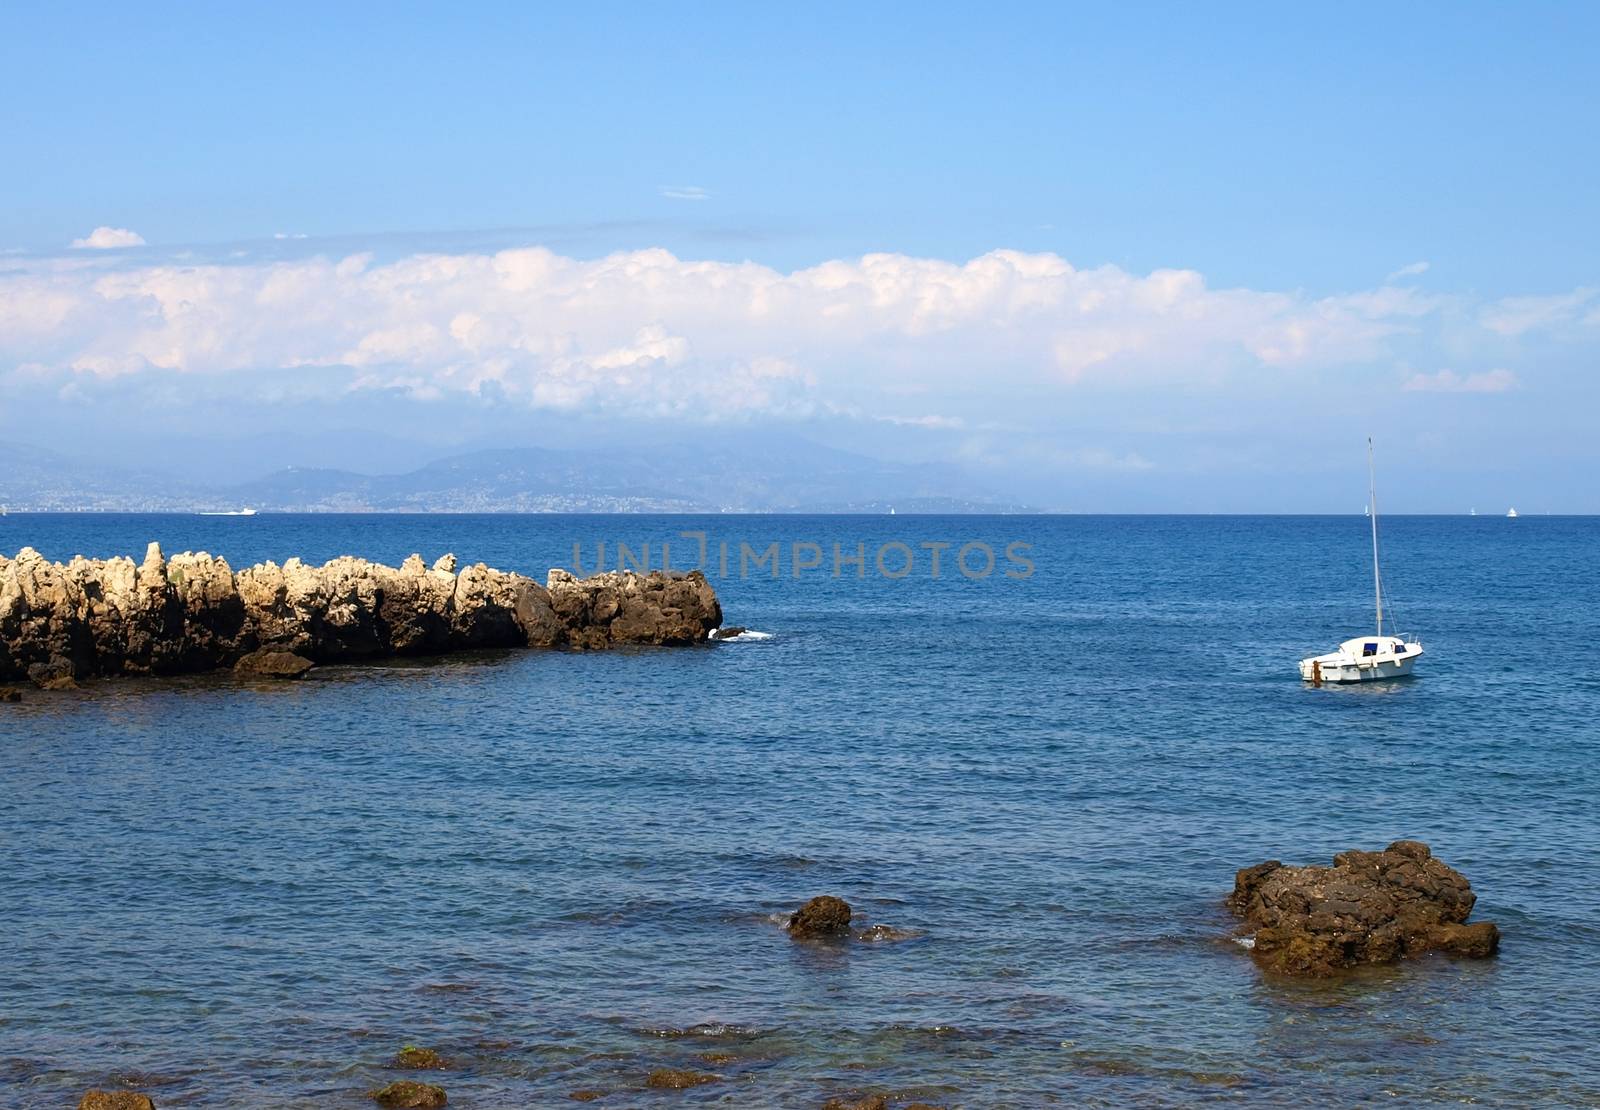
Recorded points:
(1368,908)
(885,934)
(412,1058)
(865,1102)
(678,1079)
(621,607)
(115,1100)
(268,663)
(409,1095)
(823,916)
(730,632)
(10,693)
(57,674)
(586,1094)
(193,612)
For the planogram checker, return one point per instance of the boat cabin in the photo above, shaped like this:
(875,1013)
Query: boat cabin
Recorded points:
(1365,647)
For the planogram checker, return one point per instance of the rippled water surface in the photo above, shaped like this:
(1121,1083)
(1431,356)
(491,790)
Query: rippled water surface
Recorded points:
(565,870)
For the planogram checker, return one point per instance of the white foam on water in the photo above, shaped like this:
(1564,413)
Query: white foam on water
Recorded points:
(1245,942)
(749,635)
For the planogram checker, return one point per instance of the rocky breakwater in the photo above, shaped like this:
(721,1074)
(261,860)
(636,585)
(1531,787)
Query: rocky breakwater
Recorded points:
(60,622)
(1368,908)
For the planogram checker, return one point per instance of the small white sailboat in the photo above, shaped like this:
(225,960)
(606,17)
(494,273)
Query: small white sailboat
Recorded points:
(231,512)
(1512,514)
(1364,658)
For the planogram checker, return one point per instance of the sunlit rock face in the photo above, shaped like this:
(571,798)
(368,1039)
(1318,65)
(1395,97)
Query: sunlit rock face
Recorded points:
(193,612)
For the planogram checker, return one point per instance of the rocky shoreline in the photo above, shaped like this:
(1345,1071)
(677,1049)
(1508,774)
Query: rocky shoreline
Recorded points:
(61,622)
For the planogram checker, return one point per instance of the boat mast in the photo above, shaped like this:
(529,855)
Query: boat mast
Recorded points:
(1372,504)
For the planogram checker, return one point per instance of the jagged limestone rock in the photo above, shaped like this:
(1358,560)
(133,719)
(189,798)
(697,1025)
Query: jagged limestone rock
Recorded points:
(193,612)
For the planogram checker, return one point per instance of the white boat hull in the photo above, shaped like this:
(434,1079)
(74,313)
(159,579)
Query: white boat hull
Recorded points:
(1393,658)
(1355,670)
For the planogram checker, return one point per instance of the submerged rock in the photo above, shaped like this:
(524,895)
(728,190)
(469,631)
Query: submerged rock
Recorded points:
(115,1100)
(407,1094)
(678,1079)
(823,916)
(1368,908)
(268,663)
(192,612)
(10,693)
(412,1058)
(864,1102)
(730,632)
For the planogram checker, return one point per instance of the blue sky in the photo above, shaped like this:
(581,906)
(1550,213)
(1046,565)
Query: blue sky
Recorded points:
(1400,196)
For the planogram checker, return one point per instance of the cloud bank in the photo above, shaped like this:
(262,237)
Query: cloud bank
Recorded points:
(644,333)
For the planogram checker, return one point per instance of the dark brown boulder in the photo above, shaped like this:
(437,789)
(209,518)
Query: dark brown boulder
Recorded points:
(730,632)
(1368,908)
(619,607)
(269,663)
(57,674)
(115,1100)
(677,1079)
(823,916)
(410,1095)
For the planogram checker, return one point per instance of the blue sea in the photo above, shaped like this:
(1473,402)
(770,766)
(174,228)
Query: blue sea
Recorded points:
(565,870)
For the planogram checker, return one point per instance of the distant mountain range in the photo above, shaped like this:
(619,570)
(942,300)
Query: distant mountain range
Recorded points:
(733,474)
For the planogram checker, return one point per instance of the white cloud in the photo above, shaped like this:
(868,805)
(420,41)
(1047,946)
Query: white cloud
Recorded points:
(685,192)
(1412,269)
(1448,381)
(932,422)
(1516,315)
(109,238)
(646,333)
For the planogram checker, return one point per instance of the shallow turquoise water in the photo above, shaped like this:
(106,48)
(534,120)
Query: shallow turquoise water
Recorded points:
(564,870)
